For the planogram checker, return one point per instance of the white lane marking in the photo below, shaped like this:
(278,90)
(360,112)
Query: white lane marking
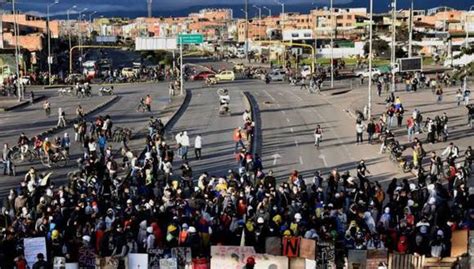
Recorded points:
(287,120)
(322,157)
(296,143)
(281,94)
(291,130)
(284,112)
(301,160)
(269,95)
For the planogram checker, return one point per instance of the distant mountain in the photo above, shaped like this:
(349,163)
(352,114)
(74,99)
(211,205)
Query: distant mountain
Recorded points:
(379,6)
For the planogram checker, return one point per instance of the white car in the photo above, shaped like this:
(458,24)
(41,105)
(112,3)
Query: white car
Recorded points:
(365,73)
(306,71)
(25,80)
(277,75)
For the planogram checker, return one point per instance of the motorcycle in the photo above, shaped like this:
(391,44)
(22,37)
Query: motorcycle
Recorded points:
(65,91)
(224,101)
(106,91)
(210,81)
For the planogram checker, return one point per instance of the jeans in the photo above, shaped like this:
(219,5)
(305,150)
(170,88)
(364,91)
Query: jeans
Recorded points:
(411,132)
(197,153)
(370,137)
(184,152)
(239,143)
(8,168)
(359,138)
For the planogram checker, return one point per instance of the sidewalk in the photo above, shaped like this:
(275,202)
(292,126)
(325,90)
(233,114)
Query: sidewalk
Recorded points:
(9,103)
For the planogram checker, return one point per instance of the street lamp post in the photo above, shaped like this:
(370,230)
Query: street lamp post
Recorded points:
(332,43)
(369,106)
(269,11)
(80,17)
(90,23)
(394,40)
(410,34)
(17,52)
(48,31)
(259,11)
(282,14)
(246,33)
(69,26)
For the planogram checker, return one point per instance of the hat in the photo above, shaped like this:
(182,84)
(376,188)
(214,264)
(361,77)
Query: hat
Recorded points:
(440,233)
(192,229)
(149,230)
(432,201)
(54,234)
(423,229)
(86,238)
(251,260)
(298,216)
(171,228)
(185,226)
(260,220)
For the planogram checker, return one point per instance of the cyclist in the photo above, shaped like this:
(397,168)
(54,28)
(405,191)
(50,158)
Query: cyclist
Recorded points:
(23,142)
(38,144)
(141,105)
(48,150)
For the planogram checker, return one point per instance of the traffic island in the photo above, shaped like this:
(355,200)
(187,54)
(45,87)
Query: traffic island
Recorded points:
(9,105)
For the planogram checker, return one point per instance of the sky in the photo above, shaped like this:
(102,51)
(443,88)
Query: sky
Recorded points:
(172,7)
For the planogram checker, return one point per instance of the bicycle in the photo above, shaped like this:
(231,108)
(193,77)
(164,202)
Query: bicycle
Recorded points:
(58,159)
(30,155)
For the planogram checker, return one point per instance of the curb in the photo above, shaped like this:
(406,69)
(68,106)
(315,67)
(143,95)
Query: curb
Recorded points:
(22,104)
(251,103)
(69,122)
(57,86)
(182,107)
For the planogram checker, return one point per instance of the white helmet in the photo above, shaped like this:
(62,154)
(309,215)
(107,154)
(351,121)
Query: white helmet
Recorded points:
(192,229)
(298,216)
(260,220)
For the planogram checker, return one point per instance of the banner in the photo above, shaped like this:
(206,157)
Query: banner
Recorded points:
(32,247)
(72,265)
(182,255)
(356,259)
(170,263)
(262,261)
(107,263)
(154,256)
(297,263)
(459,243)
(86,257)
(291,246)
(310,264)
(273,245)
(308,249)
(137,261)
(376,257)
(59,263)
(228,250)
(326,254)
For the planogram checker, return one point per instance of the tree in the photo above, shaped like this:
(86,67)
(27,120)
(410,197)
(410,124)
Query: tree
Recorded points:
(379,47)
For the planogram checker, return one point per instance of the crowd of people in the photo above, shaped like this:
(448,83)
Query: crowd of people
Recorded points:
(137,203)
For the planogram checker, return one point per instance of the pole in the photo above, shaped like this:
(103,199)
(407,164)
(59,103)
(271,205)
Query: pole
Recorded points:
(332,45)
(17,56)
(49,44)
(369,106)
(247,30)
(410,37)
(394,28)
(181,66)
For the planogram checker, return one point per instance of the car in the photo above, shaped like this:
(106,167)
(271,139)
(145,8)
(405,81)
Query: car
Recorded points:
(202,75)
(225,75)
(128,72)
(277,75)
(25,80)
(365,73)
(306,71)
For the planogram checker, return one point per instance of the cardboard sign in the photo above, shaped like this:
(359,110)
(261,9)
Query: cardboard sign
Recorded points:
(291,246)
(326,254)
(154,256)
(308,249)
(273,245)
(310,264)
(182,255)
(459,242)
(86,257)
(297,263)
(376,256)
(262,261)
(228,250)
(170,263)
(32,247)
(72,265)
(59,263)
(107,263)
(137,261)
(357,259)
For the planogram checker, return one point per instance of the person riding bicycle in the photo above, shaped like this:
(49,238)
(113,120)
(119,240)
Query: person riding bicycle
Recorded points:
(23,142)
(141,104)
(224,101)
(38,144)
(48,150)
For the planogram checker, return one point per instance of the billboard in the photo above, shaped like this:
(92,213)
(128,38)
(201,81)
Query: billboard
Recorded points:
(155,43)
(106,39)
(410,64)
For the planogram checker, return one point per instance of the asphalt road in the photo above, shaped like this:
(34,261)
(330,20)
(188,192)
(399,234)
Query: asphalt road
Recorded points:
(123,113)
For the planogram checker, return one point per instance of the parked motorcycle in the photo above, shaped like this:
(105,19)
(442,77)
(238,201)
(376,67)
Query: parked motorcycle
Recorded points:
(106,91)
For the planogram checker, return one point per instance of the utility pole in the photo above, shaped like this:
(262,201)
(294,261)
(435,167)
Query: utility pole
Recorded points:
(181,84)
(369,106)
(149,7)
(394,40)
(69,27)
(410,34)
(269,11)
(48,31)
(17,52)
(332,43)
(246,11)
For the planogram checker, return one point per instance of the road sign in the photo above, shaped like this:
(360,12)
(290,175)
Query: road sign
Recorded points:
(410,64)
(50,59)
(190,39)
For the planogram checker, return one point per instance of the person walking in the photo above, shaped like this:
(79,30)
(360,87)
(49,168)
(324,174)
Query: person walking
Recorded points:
(61,118)
(410,128)
(198,146)
(238,139)
(184,145)
(466,95)
(66,143)
(8,167)
(360,127)
(370,131)
(318,136)
(459,97)
(79,112)
(439,94)
(47,108)
(148,102)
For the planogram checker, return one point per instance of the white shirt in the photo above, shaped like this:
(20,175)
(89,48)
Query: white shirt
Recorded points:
(178,138)
(360,128)
(185,141)
(198,142)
